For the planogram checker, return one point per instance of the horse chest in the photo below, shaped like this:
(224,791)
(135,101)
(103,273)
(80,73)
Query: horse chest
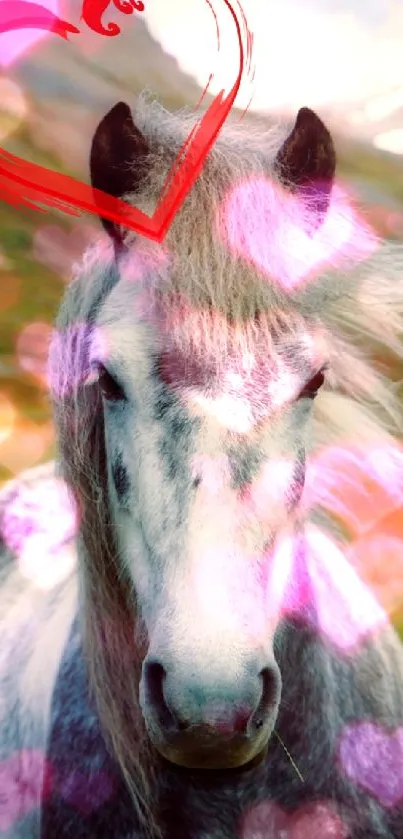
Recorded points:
(87,796)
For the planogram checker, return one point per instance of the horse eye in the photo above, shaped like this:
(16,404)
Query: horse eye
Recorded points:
(110,389)
(311,389)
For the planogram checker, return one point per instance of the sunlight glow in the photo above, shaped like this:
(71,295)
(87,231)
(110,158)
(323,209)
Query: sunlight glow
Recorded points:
(7,417)
(296,64)
(391,141)
(45,565)
(382,106)
(26,445)
(32,350)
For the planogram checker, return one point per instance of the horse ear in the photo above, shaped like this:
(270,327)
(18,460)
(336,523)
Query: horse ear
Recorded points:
(306,162)
(118,152)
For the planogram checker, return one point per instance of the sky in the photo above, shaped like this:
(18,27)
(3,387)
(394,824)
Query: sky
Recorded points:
(346,55)
(306,52)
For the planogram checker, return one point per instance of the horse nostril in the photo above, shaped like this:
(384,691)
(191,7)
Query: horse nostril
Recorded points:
(155,676)
(241,720)
(270,678)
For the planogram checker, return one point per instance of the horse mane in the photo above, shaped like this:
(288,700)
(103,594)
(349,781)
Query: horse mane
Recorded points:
(227,302)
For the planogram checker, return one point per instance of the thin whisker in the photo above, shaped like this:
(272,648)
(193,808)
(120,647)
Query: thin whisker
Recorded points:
(288,755)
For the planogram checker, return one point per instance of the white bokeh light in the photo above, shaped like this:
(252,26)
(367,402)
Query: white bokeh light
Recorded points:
(316,54)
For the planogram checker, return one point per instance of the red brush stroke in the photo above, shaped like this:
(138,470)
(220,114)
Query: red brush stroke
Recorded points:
(93,10)
(28,184)
(17,14)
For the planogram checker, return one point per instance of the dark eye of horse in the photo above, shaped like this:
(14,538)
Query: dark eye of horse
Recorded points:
(312,388)
(110,389)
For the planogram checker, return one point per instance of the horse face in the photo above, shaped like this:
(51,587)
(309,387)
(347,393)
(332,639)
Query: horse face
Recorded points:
(205,444)
(204,474)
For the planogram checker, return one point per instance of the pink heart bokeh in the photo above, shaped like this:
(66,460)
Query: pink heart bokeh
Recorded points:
(58,249)
(265,225)
(319,819)
(346,610)
(21,780)
(373,759)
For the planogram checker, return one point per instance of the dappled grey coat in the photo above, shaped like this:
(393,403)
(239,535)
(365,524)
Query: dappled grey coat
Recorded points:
(77,761)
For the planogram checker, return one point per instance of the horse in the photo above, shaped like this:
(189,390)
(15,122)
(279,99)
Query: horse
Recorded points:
(209,663)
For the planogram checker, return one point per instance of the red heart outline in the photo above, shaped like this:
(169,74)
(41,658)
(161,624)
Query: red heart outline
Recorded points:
(30,185)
